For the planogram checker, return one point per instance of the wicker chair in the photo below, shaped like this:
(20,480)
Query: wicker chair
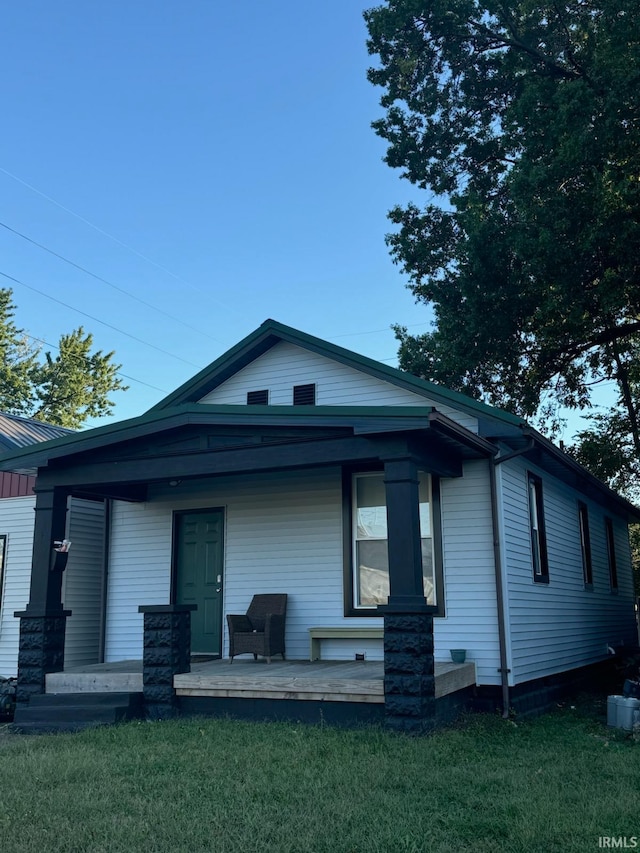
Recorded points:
(261,630)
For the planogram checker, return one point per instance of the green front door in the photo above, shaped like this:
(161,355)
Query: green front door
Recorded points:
(198,573)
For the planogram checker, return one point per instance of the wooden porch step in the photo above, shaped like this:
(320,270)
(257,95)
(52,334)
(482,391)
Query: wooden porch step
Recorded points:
(75,711)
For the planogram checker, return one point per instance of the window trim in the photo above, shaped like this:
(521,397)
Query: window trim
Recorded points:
(611,554)
(350,610)
(537,530)
(585,545)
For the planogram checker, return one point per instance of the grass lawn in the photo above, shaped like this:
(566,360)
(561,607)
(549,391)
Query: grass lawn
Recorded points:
(556,783)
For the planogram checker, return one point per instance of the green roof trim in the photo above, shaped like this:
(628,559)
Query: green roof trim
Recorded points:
(203,413)
(271,332)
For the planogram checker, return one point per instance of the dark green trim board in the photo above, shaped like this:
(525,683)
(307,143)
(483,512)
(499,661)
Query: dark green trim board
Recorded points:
(537,529)
(347,527)
(3,560)
(611,554)
(438,558)
(585,545)
(97,473)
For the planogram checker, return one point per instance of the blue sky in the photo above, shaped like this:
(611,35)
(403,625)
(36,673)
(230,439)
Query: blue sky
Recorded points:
(213,160)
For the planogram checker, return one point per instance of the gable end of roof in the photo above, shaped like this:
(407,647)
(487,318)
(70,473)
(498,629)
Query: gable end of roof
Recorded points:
(271,332)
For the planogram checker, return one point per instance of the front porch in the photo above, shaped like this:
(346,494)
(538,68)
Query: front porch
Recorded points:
(320,681)
(281,491)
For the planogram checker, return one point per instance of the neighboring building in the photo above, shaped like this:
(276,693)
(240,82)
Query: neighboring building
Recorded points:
(86,531)
(293,465)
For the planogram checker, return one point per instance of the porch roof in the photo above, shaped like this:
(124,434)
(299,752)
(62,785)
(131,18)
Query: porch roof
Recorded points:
(182,433)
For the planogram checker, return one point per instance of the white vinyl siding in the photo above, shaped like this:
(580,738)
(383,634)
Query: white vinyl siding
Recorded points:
(82,590)
(286,365)
(284,534)
(139,572)
(471,620)
(17,520)
(82,579)
(561,625)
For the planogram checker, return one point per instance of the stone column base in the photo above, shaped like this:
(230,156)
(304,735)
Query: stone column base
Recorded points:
(40,650)
(166,652)
(409,683)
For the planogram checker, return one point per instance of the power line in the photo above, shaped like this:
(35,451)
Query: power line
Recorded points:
(148,260)
(105,281)
(97,320)
(115,239)
(118,372)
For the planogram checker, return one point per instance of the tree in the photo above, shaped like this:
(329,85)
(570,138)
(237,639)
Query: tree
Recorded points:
(522,120)
(18,360)
(66,389)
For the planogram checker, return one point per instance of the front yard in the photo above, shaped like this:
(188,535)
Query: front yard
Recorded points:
(557,783)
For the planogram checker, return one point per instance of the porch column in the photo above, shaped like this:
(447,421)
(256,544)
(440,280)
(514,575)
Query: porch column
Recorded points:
(409,684)
(43,623)
(166,652)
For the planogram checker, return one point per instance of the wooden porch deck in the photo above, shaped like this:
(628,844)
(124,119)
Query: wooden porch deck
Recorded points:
(331,681)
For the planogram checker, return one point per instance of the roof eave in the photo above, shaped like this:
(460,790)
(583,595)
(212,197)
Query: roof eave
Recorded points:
(30,458)
(608,495)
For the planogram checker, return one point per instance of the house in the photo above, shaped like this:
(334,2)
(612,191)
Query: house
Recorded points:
(403,520)
(84,527)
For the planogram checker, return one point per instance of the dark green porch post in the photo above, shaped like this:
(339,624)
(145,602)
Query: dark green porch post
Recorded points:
(409,684)
(43,623)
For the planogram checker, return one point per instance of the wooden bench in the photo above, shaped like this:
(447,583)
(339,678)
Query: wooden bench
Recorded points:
(345,632)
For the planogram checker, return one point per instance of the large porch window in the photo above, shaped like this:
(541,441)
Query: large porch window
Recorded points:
(370,561)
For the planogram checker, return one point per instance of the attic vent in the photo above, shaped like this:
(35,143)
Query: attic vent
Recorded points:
(304,395)
(257,398)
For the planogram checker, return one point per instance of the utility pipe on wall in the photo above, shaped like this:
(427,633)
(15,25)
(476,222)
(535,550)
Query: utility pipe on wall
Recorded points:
(497,554)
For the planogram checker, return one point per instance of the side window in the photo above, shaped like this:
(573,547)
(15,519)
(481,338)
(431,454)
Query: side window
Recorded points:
(538,534)
(611,555)
(585,545)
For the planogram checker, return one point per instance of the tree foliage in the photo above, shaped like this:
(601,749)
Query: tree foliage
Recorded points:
(522,121)
(65,389)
